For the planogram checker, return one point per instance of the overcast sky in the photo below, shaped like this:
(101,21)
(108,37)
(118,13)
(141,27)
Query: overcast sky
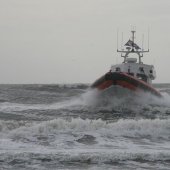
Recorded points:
(74,41)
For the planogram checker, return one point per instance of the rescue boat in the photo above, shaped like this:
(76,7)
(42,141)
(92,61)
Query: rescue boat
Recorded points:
(132,74)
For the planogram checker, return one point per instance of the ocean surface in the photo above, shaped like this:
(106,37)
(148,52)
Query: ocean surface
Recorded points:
(74,127)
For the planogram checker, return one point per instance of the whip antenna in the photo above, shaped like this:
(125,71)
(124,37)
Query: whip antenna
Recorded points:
(122,42)
(148,39)
(142,41)
(117,38)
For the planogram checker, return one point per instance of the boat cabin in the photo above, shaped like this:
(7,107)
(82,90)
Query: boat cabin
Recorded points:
(133,67)
(141,71)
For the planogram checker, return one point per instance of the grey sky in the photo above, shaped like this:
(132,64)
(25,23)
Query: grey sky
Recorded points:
(72,41)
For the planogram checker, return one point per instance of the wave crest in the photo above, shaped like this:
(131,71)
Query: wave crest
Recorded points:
(156,128)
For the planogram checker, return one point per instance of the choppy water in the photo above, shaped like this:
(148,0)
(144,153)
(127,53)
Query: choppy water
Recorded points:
(71,127)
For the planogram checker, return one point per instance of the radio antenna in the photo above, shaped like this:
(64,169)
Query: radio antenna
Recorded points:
(117,38)
(148,39)
(142,41)
(122,42)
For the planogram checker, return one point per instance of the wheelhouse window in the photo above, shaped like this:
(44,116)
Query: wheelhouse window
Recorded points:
(142,77)
(129,72)
(151,71)
(141,69)
(118,69)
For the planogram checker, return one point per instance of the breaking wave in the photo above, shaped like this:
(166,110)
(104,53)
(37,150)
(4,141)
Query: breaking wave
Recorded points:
(127,128)
(61,139)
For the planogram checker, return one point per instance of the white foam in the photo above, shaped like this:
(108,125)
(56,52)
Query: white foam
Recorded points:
(6,126)
(165,101)
(113,140)
(154,128)
(93,97)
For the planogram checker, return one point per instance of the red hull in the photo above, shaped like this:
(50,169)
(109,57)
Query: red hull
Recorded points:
(124,80)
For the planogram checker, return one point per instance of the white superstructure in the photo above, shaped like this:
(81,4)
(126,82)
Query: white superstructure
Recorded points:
(131,66)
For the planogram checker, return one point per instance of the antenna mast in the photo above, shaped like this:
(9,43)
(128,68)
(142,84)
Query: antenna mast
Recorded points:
(132,47)
(133,39)
(117,38)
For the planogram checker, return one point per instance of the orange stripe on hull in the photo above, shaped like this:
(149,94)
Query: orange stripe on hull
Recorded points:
(105,84)
(126,85)
(123,84)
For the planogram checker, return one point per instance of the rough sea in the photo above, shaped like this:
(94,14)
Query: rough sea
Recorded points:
(72,127)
